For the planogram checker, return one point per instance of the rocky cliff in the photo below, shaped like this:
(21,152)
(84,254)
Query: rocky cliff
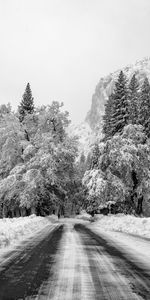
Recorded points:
(91,129)
(105,87)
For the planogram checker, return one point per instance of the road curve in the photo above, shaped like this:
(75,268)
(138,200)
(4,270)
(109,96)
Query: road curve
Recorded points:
(71,262)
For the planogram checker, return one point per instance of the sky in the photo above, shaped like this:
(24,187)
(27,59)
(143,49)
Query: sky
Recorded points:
(63,47)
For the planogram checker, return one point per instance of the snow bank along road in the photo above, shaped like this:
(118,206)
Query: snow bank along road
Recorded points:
(66,261)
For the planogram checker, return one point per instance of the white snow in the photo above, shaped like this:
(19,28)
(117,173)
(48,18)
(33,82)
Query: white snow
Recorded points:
(124,223)
(83,216)
(130,233)
(15,230)
(83,271)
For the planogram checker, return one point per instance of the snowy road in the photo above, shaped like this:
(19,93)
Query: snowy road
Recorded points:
(68,261)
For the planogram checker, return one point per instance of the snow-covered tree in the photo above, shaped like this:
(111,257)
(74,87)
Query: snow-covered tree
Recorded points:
(133,100)
(123,174)
(107,118)
(95,156)
(144,113)
(117,108)
(5,109)
(38,172)
(88,161)
(120,110)
(11,143)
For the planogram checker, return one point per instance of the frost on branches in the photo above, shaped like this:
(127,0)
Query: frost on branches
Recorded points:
(36,161)
(122,174)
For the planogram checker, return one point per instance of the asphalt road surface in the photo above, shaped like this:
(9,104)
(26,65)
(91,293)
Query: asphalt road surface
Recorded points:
(68,261)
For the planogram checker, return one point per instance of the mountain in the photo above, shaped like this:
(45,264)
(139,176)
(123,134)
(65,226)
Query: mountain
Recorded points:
(91,129)
(105,87)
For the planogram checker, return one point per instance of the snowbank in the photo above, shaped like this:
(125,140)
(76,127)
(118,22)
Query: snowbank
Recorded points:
(130,234)
(16,230)
(124,223)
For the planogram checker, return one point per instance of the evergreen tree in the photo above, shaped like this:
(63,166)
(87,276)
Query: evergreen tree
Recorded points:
(27,105)
(144,113)
(134,100)
(120,109)
(107,128)
(95,156)
(123,172)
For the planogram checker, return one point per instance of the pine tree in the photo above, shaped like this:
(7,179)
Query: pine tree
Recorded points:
(120,109)
(107,128)
(27,105)
(144,113)
(95,156)
(133,100)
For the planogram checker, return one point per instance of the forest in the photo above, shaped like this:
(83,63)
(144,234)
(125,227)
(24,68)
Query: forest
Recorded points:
(38,169)
(41,171)
(118,178)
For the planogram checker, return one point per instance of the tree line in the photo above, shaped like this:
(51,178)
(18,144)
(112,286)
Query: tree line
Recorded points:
(38,169)
(128,104)
(118,176)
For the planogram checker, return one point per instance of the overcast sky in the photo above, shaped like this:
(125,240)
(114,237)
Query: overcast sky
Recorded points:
(63,47)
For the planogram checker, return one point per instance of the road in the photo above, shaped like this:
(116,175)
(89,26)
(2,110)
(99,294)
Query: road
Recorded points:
(68,261)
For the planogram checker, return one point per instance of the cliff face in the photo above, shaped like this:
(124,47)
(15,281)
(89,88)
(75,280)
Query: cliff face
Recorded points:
(105,87)
(91,129)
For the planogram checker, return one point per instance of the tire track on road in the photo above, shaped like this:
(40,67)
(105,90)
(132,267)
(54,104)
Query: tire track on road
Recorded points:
(114,273)
(72,278)
(23,276)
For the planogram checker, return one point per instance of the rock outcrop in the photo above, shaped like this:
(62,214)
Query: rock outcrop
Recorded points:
(105,87)
(91,129)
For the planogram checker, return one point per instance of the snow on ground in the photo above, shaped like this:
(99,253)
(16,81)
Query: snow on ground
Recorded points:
(124,223)
(128,232)
(15,230)
(84,216)
(73,278)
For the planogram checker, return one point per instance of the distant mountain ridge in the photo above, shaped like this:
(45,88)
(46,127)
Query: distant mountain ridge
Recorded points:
(105,87)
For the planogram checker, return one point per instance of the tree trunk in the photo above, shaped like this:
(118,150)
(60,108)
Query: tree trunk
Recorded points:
(5,211)
(17,212)
(33,210)
(13,214)
(23,211)
(139,209)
